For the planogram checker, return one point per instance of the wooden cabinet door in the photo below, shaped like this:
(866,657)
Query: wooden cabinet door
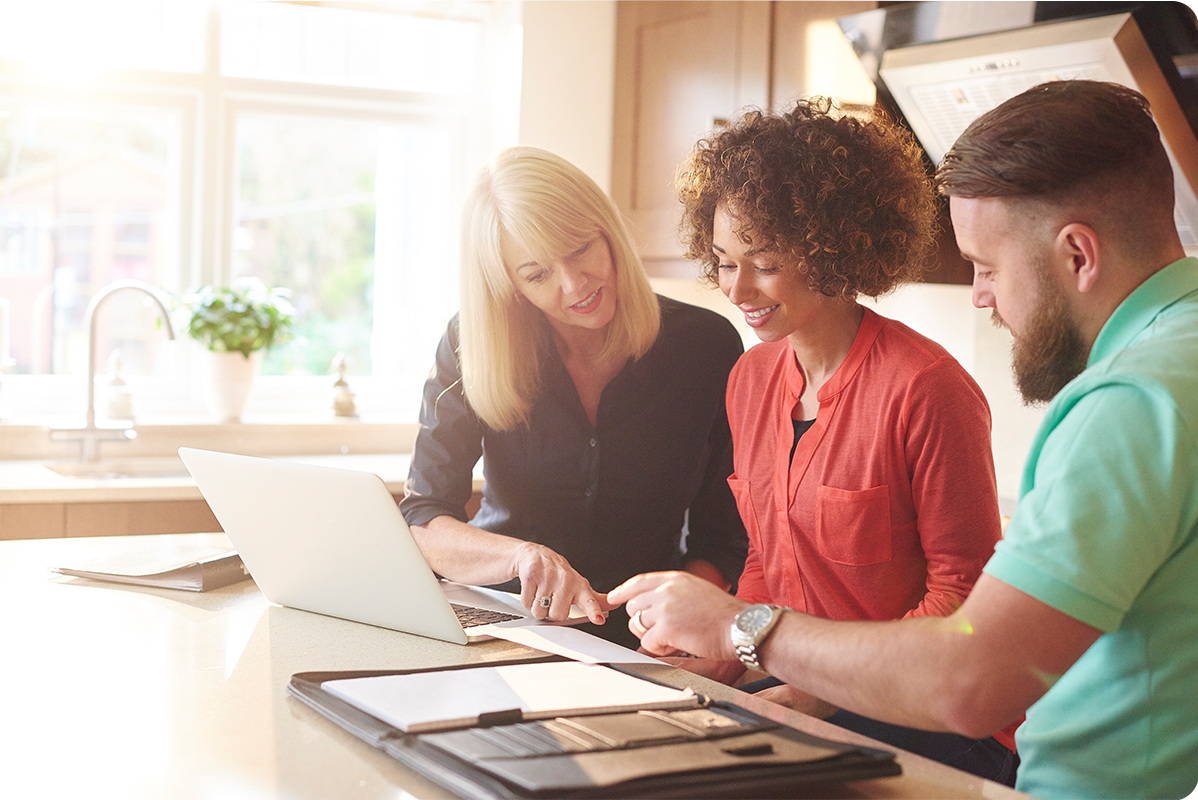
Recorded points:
(681,68)
(811,55)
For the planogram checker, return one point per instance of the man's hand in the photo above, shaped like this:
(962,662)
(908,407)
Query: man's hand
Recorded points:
(677,611)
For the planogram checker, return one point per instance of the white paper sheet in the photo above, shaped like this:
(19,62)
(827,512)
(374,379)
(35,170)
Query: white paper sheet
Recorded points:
(572,643)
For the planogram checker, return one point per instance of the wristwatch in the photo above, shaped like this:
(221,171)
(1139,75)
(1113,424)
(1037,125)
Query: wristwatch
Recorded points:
(751,628)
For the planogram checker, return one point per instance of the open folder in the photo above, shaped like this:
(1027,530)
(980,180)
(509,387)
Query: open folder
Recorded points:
(647,740)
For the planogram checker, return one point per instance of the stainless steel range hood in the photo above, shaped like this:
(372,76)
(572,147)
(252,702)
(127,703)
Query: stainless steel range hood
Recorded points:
(943,86)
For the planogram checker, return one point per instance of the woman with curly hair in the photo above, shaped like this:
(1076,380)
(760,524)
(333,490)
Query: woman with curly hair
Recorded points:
(862,457)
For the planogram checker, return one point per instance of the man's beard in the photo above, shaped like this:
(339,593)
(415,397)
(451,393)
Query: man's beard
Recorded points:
(1051,351)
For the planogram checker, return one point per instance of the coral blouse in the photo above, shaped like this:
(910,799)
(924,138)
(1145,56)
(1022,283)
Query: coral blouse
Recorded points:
(889,506)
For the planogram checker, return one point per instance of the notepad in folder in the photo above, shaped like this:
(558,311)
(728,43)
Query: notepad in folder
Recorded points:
(431,701)
(653,741)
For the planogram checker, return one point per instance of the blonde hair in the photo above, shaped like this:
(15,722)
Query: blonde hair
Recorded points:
(549,207)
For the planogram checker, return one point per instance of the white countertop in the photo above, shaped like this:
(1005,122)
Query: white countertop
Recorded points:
(128,692)
(162,478)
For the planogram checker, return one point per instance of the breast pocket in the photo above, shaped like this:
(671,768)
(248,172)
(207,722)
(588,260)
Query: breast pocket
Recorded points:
(853,527)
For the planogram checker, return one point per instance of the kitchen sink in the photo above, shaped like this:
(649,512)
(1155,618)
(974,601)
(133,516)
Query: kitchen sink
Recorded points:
(114,469)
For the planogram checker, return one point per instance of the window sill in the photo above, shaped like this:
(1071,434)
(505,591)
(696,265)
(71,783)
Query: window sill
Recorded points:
(37,483)
(273,435)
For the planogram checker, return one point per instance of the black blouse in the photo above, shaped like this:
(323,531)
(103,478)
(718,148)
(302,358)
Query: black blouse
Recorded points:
(629,495)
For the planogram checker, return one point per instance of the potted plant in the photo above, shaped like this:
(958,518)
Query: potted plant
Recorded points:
(236,324)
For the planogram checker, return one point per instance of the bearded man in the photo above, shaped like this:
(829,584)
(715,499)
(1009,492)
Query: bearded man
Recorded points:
(1086,617)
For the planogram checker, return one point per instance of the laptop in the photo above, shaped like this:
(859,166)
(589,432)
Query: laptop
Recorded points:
(332,541)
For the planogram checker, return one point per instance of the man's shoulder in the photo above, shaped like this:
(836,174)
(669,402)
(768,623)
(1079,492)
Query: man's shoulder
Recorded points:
(1162,362)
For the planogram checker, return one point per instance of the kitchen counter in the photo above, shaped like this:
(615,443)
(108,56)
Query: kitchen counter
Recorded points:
(153,478)
(141,486)
(135,693)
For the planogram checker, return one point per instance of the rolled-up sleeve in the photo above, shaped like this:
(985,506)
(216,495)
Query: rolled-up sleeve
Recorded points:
(448,442)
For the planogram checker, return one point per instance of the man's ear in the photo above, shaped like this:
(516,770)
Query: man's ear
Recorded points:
(1078,245)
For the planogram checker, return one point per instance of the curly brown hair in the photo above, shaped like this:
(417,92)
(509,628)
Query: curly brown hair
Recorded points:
(848,201)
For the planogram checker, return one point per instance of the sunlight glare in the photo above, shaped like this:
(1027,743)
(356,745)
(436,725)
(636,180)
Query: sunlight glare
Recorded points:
(75,41)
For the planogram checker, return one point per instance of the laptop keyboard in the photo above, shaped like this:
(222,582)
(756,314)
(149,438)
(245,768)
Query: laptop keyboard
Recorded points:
(471,616)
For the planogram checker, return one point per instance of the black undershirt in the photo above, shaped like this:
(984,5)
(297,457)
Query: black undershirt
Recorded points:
(801,427)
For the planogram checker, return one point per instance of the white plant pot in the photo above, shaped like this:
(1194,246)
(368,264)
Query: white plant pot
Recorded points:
(228,381)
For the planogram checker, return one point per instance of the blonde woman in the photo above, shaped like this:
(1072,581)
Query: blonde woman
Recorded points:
(599,407)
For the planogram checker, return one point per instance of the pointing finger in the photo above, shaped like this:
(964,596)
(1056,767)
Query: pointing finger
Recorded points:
(638,584)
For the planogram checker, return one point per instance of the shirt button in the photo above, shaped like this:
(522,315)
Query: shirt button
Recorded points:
(590,492)
(594,442)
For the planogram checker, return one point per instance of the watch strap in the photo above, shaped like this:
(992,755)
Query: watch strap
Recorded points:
(747,652)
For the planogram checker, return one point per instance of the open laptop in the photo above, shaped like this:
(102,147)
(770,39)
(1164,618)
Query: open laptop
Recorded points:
(333,541)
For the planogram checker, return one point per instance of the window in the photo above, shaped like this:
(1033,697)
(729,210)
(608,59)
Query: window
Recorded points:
(356,219)
(322,148)
(89,196)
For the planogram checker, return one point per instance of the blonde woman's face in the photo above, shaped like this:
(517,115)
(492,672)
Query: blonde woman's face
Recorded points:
(574,290)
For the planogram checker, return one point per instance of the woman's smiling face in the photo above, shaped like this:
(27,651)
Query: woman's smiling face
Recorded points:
(769,291)
(577,289)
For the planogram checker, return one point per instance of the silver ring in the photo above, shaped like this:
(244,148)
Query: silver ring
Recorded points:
(545,601)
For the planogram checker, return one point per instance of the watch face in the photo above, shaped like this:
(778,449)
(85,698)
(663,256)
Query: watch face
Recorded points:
(754,618)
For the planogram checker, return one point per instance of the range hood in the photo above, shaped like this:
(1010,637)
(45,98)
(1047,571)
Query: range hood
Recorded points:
(941,87)
(939,64)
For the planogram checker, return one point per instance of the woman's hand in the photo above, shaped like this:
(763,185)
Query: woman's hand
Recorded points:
(461,552)
(544,573)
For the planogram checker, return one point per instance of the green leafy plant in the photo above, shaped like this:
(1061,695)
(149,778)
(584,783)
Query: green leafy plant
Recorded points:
(242,318)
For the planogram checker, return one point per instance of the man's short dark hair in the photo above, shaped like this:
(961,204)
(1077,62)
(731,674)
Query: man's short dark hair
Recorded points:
(1061,141)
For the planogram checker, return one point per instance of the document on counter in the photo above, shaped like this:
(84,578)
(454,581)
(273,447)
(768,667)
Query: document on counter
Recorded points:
(199,571)
(573,644)
(440,700)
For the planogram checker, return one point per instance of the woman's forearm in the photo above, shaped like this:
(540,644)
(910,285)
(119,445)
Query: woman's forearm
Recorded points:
(549,586)
(461,552)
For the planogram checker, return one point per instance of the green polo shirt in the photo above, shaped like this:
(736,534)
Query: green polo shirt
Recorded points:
(1106,531)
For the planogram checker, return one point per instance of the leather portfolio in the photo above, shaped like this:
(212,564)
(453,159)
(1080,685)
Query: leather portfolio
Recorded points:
(702,749)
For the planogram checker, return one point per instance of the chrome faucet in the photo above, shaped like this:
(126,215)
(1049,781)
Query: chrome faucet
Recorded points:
(91,435)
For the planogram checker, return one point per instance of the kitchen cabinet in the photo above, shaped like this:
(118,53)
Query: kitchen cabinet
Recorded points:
(152,494)
(33,521)
(681,69)
(57,520)
(684,68)
(811,55)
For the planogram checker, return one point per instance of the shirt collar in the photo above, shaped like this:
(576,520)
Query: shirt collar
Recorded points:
(871,325)
(1141,307)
